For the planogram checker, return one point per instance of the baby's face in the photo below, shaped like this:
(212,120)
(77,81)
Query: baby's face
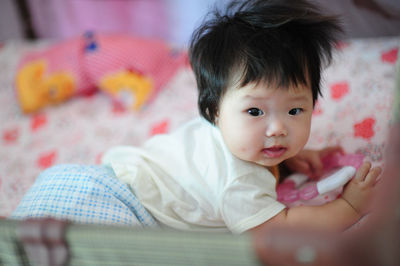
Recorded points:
(265,125)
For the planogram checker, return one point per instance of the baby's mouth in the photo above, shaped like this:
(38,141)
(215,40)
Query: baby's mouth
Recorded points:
(274,151)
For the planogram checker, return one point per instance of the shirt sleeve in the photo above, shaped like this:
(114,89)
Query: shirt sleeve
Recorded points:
(124,161)
(249,201)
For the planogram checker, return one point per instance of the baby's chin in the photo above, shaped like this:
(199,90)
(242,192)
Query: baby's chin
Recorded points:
(268,162)
(263,160)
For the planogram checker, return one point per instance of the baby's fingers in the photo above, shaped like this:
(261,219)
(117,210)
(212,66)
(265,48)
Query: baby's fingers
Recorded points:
(372,175)
(363,171)
(366,175)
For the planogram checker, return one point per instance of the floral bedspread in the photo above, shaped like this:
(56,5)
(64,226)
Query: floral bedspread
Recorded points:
(354,112)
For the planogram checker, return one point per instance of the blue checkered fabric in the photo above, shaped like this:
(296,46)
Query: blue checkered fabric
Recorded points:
(89,194)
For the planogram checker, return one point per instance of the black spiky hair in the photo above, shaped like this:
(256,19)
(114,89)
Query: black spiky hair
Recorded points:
(286,42)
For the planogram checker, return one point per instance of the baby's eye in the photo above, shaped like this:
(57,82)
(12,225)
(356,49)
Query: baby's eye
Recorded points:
(255,112)
(295,111)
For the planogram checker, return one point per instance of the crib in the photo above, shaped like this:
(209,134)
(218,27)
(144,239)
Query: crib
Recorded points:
(359,111)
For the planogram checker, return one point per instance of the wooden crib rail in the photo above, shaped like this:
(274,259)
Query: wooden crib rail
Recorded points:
(110,245)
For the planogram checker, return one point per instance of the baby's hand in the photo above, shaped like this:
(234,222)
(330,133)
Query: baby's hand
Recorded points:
(309,162)
(359,191)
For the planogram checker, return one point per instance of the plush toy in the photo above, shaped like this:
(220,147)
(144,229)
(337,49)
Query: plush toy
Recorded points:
(338,168)
(131,70)
(37,89)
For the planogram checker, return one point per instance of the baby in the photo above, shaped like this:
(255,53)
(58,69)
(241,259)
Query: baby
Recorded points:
(258,71)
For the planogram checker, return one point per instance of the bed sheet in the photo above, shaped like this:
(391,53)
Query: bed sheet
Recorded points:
(354,113)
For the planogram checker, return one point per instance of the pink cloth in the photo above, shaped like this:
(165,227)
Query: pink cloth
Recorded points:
(63,19)
(169,20)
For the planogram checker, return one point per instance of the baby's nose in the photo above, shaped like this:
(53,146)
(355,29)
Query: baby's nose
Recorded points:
(276,128)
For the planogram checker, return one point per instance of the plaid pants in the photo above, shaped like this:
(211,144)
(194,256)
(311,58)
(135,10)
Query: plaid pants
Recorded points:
(88,194)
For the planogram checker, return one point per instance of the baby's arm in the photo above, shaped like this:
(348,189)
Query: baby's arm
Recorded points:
(336,215)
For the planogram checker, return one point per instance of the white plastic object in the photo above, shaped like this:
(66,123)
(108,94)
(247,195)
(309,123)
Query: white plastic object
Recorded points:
(336,180)
(298,179)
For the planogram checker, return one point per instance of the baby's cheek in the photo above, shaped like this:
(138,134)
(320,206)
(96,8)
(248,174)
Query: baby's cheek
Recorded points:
(242,151)
(301,136)
(240,148)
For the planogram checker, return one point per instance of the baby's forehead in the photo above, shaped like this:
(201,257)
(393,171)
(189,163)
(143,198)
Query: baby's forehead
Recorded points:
(260,86)
(264,91)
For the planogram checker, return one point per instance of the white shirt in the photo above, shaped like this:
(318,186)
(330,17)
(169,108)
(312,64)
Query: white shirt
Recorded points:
(189,180)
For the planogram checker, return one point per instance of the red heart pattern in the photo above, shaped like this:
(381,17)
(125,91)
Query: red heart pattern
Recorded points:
(390,56)
(339,90)
(38,121)
(118,108)
(365,129)
(46,159)
(341,45)
(160,128)
(317,109)
(10,136)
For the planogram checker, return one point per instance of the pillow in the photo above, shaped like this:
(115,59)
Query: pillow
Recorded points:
(131,70)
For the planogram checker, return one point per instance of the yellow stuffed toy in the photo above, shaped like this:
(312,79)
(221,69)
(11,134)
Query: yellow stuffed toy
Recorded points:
(37,89)
(128,88)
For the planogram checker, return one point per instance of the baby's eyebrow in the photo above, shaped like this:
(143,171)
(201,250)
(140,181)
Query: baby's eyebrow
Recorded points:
(251,97)
(300,98)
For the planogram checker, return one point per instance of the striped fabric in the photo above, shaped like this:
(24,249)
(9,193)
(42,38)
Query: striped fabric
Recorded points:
(110,245)
(83,194)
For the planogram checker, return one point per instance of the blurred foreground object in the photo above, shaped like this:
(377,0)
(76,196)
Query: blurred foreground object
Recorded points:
(50,242)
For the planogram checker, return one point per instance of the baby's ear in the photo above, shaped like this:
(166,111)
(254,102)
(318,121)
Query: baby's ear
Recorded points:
(216,117)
